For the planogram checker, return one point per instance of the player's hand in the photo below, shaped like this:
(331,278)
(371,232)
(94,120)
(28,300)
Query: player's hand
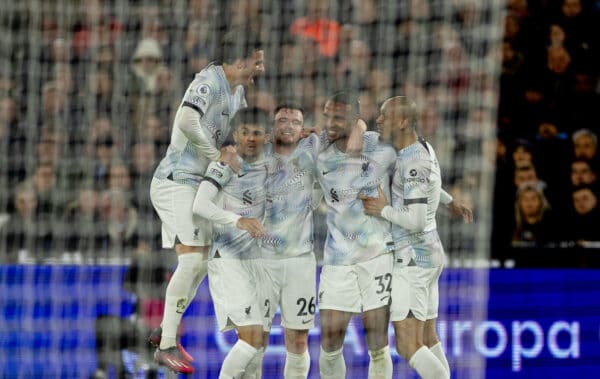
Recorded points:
(461,210)
(355,141)
(252,226)
(230,157)
(308,130)
(374,205)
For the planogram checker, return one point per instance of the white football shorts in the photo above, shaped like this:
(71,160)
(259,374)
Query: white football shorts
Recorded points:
(291,284)
(235,288)
(357,288)
(173,203)
(415,289)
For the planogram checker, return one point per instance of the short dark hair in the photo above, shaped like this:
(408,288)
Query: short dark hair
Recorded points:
(252,116)
(347,97)
(239,43)
(288,104)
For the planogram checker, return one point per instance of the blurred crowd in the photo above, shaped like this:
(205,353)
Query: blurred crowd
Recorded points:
(88,90)
(547,148)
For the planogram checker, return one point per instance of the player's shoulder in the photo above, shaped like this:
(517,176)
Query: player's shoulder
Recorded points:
(206,81)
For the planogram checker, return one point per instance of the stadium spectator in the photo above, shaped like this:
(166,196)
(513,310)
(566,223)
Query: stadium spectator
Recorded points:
(583,222)
(318,25)
(534,221)
(21,232)
(146,63)
(582,173)
(585,146)
(90,237)
(12,144)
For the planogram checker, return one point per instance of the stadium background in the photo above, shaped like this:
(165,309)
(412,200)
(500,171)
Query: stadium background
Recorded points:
(88,90)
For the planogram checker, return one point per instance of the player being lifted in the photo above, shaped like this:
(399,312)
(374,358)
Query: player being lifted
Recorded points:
(357,270)
(419,255)
(234,203)
(201,125)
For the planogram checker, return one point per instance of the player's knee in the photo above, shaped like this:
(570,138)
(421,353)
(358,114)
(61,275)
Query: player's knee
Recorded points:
(296,341)
(252,335)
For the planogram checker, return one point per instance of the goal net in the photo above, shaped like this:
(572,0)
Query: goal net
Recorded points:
(88,93)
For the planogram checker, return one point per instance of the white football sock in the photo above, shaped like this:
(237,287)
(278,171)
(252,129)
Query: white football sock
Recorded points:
(296,365)
(332,364)
(254,368)
(427,365)
(438,351)
(176,298)
(237,360)
(380,365)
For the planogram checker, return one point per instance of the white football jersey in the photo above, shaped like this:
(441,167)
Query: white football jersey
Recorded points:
(352,236)
(210,95)
(289,206)
(417,179)
(242,193)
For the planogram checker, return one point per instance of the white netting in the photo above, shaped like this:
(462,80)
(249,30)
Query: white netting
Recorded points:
(88,91)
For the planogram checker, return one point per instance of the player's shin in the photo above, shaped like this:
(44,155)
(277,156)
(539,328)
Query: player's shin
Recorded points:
(427,365)
(296,365)
(438,351)
(332,364)
(176,299)
(380,365)
(237,360)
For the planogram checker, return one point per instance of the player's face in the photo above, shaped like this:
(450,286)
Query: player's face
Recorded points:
(250,140)
(339,119)
(385,122)
(253,67)
(288,126)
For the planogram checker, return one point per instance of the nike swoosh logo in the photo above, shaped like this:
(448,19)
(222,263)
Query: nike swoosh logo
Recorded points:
(241,175)
(385,297)
(225,113)
(326,172)
(304,322)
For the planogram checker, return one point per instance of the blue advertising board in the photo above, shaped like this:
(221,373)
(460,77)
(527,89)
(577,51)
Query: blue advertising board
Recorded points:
(493,323)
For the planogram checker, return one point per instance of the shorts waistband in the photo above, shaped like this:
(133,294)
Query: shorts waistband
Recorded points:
(420,237)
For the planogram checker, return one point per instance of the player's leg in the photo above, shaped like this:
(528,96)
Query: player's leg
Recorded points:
(408,313)
(297,359)
(333,330)
(339,300)
(235,291)
(191,237)
(268,275)
(430,337)
(375,278)
(298,308)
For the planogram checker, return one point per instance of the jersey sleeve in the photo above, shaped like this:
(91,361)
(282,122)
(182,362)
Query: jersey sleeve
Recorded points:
(415,179)
(198,96)
(218,174)
(204,206)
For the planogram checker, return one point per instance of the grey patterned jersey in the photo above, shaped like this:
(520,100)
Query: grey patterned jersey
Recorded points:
(243,194)
(289,212)
(352,236)
(417,179)
(211,96)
